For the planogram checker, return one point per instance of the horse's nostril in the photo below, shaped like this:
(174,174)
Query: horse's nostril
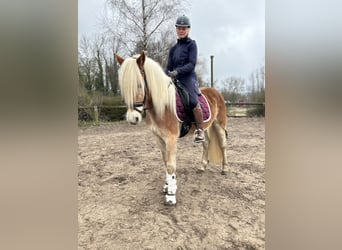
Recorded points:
(136,119)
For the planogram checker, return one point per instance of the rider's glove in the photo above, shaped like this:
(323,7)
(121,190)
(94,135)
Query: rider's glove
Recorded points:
(173,73)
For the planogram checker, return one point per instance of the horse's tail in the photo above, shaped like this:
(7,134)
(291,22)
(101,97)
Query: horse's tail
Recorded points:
(217,133)
(215,154)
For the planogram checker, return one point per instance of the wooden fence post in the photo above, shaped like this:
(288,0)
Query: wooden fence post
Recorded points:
(96,115)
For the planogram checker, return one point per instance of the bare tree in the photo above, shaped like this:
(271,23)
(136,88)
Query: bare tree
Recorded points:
(112,67)
(99,79)
(261,78)
(141,24)
(257,88)
(86,64)
(112,45)
(233,88)
(200,71)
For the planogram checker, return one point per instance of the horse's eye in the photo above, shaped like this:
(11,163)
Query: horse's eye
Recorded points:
(139,86)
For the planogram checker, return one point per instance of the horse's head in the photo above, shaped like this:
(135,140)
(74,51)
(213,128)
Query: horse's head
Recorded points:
(132,86)
(143,82)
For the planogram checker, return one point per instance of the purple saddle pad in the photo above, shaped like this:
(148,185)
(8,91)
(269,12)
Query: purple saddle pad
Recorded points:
(181,113)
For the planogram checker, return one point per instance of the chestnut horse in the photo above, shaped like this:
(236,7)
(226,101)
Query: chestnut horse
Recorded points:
(145,86)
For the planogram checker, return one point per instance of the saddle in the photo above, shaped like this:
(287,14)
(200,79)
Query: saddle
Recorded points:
(184,113)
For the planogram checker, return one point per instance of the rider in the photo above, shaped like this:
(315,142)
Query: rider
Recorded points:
(181,65)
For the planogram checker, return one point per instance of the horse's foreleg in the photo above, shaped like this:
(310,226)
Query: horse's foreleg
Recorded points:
(162,147)
(171,148)
(168,148)
(170,196)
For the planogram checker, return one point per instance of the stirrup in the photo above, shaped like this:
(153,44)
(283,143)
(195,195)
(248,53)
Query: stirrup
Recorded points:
(199,136)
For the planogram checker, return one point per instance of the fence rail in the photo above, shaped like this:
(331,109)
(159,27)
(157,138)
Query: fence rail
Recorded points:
(116,113)
(245,109)
(101,113)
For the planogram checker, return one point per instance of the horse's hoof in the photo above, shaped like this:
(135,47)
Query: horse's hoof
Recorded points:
(170,200)
(225,172)
(201,170)
(170,204)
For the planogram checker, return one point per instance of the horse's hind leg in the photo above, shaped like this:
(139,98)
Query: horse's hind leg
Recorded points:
(222,137)
(205,160)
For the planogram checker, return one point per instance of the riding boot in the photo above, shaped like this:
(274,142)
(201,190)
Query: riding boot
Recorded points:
(199,133)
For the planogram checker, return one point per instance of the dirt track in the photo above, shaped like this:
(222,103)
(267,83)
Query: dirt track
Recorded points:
(121,205)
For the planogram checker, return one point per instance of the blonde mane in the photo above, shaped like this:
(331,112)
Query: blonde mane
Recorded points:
(161,91)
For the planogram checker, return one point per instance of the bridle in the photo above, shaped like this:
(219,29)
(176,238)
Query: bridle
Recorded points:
(137,105)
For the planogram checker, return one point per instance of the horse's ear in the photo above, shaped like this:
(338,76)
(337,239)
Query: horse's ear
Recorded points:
(141,59)
(119,58)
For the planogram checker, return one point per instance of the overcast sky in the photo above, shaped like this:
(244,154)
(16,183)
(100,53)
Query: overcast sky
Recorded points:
(233,31)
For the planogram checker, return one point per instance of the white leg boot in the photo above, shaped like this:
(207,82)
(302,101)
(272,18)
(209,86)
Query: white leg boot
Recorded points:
(171,189)
(165,188)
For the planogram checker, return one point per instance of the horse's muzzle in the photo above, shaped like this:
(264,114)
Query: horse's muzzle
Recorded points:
(133,117)
(136,121)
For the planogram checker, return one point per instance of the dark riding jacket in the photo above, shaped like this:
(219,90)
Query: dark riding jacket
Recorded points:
(183,58)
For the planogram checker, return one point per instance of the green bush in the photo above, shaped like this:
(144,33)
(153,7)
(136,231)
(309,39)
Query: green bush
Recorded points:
(110,107)
(112,101)
(112,113)
(258,110)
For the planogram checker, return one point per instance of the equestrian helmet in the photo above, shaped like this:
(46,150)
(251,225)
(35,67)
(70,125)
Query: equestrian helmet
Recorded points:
(183,21)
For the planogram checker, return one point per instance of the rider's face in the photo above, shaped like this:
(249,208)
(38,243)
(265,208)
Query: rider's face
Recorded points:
(182,31)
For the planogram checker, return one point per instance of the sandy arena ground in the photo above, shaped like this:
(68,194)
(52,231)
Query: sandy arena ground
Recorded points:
(121,205)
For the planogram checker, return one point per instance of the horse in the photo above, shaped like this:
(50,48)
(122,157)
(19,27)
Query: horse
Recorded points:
(144,86)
